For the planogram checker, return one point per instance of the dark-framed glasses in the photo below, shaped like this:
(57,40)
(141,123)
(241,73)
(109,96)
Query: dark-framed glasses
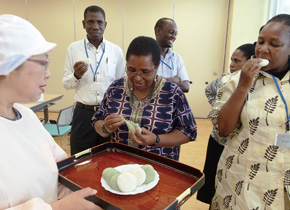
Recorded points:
(171,32)
(141,74)
(44,63)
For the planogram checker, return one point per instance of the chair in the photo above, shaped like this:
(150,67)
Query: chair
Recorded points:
(62,126)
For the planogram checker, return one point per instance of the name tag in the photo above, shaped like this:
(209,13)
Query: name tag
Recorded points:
(95,86)
(282,140)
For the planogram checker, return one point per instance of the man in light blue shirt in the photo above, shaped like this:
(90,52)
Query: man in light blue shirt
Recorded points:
(171,64)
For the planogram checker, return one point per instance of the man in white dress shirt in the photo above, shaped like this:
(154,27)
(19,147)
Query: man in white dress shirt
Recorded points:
(91,65)
(171,64)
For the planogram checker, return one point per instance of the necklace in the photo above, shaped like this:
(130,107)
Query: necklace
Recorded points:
(139,104)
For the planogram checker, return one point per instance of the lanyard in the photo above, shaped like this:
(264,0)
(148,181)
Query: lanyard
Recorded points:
(284,101)
(170,67)
(94,72)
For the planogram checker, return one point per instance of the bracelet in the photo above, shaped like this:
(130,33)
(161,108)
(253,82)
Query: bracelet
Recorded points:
(104,130)
(156,142)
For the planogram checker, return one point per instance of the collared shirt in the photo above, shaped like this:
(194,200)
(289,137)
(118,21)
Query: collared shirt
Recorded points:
(177,66)
(111,67)
(252,172)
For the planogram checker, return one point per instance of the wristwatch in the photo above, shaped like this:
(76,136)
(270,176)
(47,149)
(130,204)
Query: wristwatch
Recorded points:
(156,142)
(104,130)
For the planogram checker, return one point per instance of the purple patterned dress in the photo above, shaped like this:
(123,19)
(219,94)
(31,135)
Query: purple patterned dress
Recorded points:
(163,110)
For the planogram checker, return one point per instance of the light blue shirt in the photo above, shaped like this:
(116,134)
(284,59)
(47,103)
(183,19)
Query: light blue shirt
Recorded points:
(175,66)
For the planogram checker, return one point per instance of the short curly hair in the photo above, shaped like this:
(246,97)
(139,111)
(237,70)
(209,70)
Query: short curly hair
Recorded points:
(161,21)
(94,8)
(143,45)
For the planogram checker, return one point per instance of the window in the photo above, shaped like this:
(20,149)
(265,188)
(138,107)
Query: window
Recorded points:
(278,7)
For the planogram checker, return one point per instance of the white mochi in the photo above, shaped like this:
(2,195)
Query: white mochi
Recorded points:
(264,62)
(87,61)
(126,182)
(138,172)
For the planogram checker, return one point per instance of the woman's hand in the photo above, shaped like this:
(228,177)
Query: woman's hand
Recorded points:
(171,139)
(76,201)
(230,112)
(248,73)
(113,122)
(145,138)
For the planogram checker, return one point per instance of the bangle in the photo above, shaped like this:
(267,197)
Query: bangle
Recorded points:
(104,130)
(156,142)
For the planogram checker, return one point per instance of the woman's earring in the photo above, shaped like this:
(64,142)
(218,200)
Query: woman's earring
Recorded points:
(155,79)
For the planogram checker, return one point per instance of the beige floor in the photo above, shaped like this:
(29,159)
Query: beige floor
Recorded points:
(192,154)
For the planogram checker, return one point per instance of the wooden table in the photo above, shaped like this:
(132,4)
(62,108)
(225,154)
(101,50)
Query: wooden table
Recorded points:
(48,100)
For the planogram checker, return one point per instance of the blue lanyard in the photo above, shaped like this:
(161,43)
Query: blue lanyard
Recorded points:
(284,101)
(170,67)
(94,72)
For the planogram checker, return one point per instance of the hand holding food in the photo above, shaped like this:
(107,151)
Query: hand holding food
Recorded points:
(87,61)
(113,122)
(264,62)
(131,125)
(80,68)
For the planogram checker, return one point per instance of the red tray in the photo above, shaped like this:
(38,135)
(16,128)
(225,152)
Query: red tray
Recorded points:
(177,181)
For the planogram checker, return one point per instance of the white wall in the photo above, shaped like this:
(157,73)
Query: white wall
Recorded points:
(246,18)
(201,26)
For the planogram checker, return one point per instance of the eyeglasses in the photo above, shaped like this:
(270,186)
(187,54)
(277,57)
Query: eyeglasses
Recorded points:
(44,63)
(142,74)
(171,32)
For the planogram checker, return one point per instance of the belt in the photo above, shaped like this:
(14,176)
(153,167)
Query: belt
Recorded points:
(88,107)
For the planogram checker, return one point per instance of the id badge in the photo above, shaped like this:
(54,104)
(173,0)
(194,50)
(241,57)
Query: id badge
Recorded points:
(95,86)
(282,140)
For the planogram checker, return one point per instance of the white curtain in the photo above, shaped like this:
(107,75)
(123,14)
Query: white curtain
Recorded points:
(278,7)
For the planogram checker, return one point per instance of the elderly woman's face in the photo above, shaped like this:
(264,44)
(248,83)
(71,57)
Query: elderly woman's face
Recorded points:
(29,80)
(274,44)
(141,71)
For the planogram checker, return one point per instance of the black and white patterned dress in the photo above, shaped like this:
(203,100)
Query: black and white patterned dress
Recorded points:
(252,172)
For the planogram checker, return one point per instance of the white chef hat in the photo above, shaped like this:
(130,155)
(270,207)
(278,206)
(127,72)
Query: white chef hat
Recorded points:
(19,40)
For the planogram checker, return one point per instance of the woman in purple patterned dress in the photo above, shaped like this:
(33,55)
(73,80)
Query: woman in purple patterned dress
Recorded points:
(158,106)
